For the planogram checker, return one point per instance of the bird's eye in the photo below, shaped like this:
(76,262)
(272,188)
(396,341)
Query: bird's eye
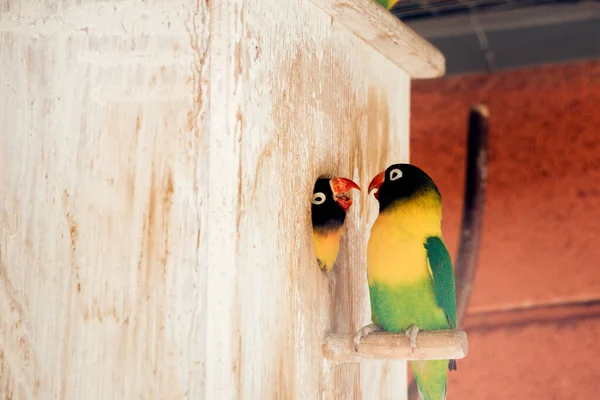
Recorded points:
(318,198)
(395,174)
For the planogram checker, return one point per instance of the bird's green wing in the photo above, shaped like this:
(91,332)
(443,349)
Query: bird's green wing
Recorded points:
(440,267)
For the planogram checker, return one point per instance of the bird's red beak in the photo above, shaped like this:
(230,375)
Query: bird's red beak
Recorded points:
(340,188)
(376,183)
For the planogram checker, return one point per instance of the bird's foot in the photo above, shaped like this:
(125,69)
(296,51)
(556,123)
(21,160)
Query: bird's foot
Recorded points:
(364,331)
(411,335)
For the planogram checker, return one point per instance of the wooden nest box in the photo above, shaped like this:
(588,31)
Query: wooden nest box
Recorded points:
(157,161)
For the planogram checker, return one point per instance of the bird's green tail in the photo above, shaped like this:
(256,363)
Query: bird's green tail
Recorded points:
(432,378)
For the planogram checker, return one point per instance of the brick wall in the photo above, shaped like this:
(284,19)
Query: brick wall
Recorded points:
(534,317)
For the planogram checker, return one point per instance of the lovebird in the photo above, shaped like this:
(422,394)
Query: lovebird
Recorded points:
(330,202)
(387,4)
(409,270)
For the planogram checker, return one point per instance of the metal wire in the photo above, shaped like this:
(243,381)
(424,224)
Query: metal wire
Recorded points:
(410,10)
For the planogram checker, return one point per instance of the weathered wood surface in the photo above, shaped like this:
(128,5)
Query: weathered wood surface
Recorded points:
(156,168)
(384,31)
(431,345)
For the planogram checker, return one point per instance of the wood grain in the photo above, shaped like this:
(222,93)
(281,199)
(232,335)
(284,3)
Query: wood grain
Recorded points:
(431,345)
(156,165)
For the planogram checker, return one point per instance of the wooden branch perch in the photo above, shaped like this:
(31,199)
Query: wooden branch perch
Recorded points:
(473,208)
(431,345)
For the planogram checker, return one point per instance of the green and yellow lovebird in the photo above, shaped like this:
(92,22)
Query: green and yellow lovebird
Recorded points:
(388,4)
(330,202)
(409,271)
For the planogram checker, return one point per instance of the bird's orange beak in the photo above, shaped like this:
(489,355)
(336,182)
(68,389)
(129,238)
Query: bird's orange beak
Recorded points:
(340,188)
(376,183)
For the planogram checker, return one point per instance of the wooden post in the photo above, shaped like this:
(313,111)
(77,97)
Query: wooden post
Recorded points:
(156,167)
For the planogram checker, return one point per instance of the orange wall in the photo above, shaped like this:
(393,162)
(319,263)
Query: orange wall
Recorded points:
(541,234)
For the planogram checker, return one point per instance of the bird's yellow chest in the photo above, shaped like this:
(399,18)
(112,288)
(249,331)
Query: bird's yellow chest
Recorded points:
(327,246)
(396,253)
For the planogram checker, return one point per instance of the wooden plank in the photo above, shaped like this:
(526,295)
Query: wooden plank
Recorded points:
(102,207)
(368,20)
(306,104)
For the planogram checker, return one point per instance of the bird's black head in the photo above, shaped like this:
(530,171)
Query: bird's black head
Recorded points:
(330,202)
(401,182)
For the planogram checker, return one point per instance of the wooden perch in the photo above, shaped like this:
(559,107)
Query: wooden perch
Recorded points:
(431,345)
(474,205)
